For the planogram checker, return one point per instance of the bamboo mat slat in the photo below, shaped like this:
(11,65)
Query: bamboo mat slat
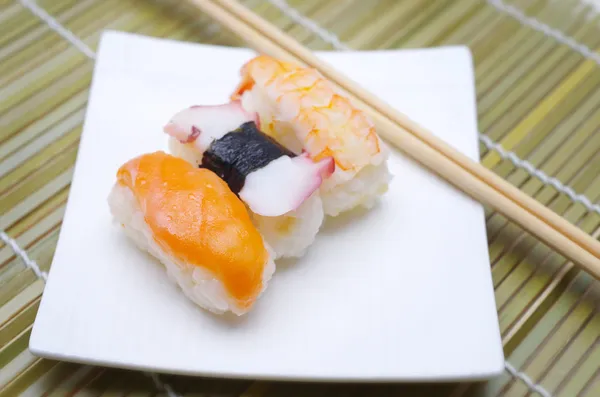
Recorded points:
(536,97)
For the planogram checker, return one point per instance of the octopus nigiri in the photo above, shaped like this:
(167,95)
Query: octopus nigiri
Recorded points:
(302,110)
(279,186)
(189,219)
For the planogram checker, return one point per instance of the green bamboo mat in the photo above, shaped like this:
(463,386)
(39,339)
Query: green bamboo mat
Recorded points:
(536,97)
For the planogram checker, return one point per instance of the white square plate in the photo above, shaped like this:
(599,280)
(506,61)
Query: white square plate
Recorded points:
(400,293)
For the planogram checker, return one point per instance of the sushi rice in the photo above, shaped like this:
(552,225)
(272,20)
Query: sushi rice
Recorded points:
(289,235)
(198,284)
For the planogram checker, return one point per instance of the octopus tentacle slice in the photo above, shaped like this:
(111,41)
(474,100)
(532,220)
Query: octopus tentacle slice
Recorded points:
(269,178)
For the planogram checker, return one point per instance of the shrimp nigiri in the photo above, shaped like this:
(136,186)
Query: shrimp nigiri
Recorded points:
(303,111)
(191,221)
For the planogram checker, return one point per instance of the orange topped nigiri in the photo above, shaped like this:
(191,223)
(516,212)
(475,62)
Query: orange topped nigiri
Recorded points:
(196,226)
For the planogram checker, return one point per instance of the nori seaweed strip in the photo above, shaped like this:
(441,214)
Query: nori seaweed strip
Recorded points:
(240,152)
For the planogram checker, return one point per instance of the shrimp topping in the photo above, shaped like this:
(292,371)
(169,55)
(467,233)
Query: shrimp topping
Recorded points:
(324,122)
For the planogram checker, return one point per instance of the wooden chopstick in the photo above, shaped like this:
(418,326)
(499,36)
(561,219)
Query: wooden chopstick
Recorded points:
(369,100)
(416,142)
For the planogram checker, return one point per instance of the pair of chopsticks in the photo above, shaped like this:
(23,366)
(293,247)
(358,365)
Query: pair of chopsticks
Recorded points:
(415,141)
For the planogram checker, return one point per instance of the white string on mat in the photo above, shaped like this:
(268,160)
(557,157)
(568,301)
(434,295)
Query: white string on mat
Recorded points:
(593,4)
(556,34)
(309,24)
(526,379)
(58,27)
(22,254)
(487,141)
(162,385)
(541,175)
(593,8)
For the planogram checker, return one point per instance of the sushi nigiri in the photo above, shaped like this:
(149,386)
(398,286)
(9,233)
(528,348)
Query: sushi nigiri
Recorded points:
(304,112)
(189,219)
(279,187)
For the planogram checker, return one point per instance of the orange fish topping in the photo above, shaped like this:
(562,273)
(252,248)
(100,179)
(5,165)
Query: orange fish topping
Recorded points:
(196,218)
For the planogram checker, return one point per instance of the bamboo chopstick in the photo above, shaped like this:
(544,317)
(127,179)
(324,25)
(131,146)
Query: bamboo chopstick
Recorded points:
(367,99)
(417,142)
